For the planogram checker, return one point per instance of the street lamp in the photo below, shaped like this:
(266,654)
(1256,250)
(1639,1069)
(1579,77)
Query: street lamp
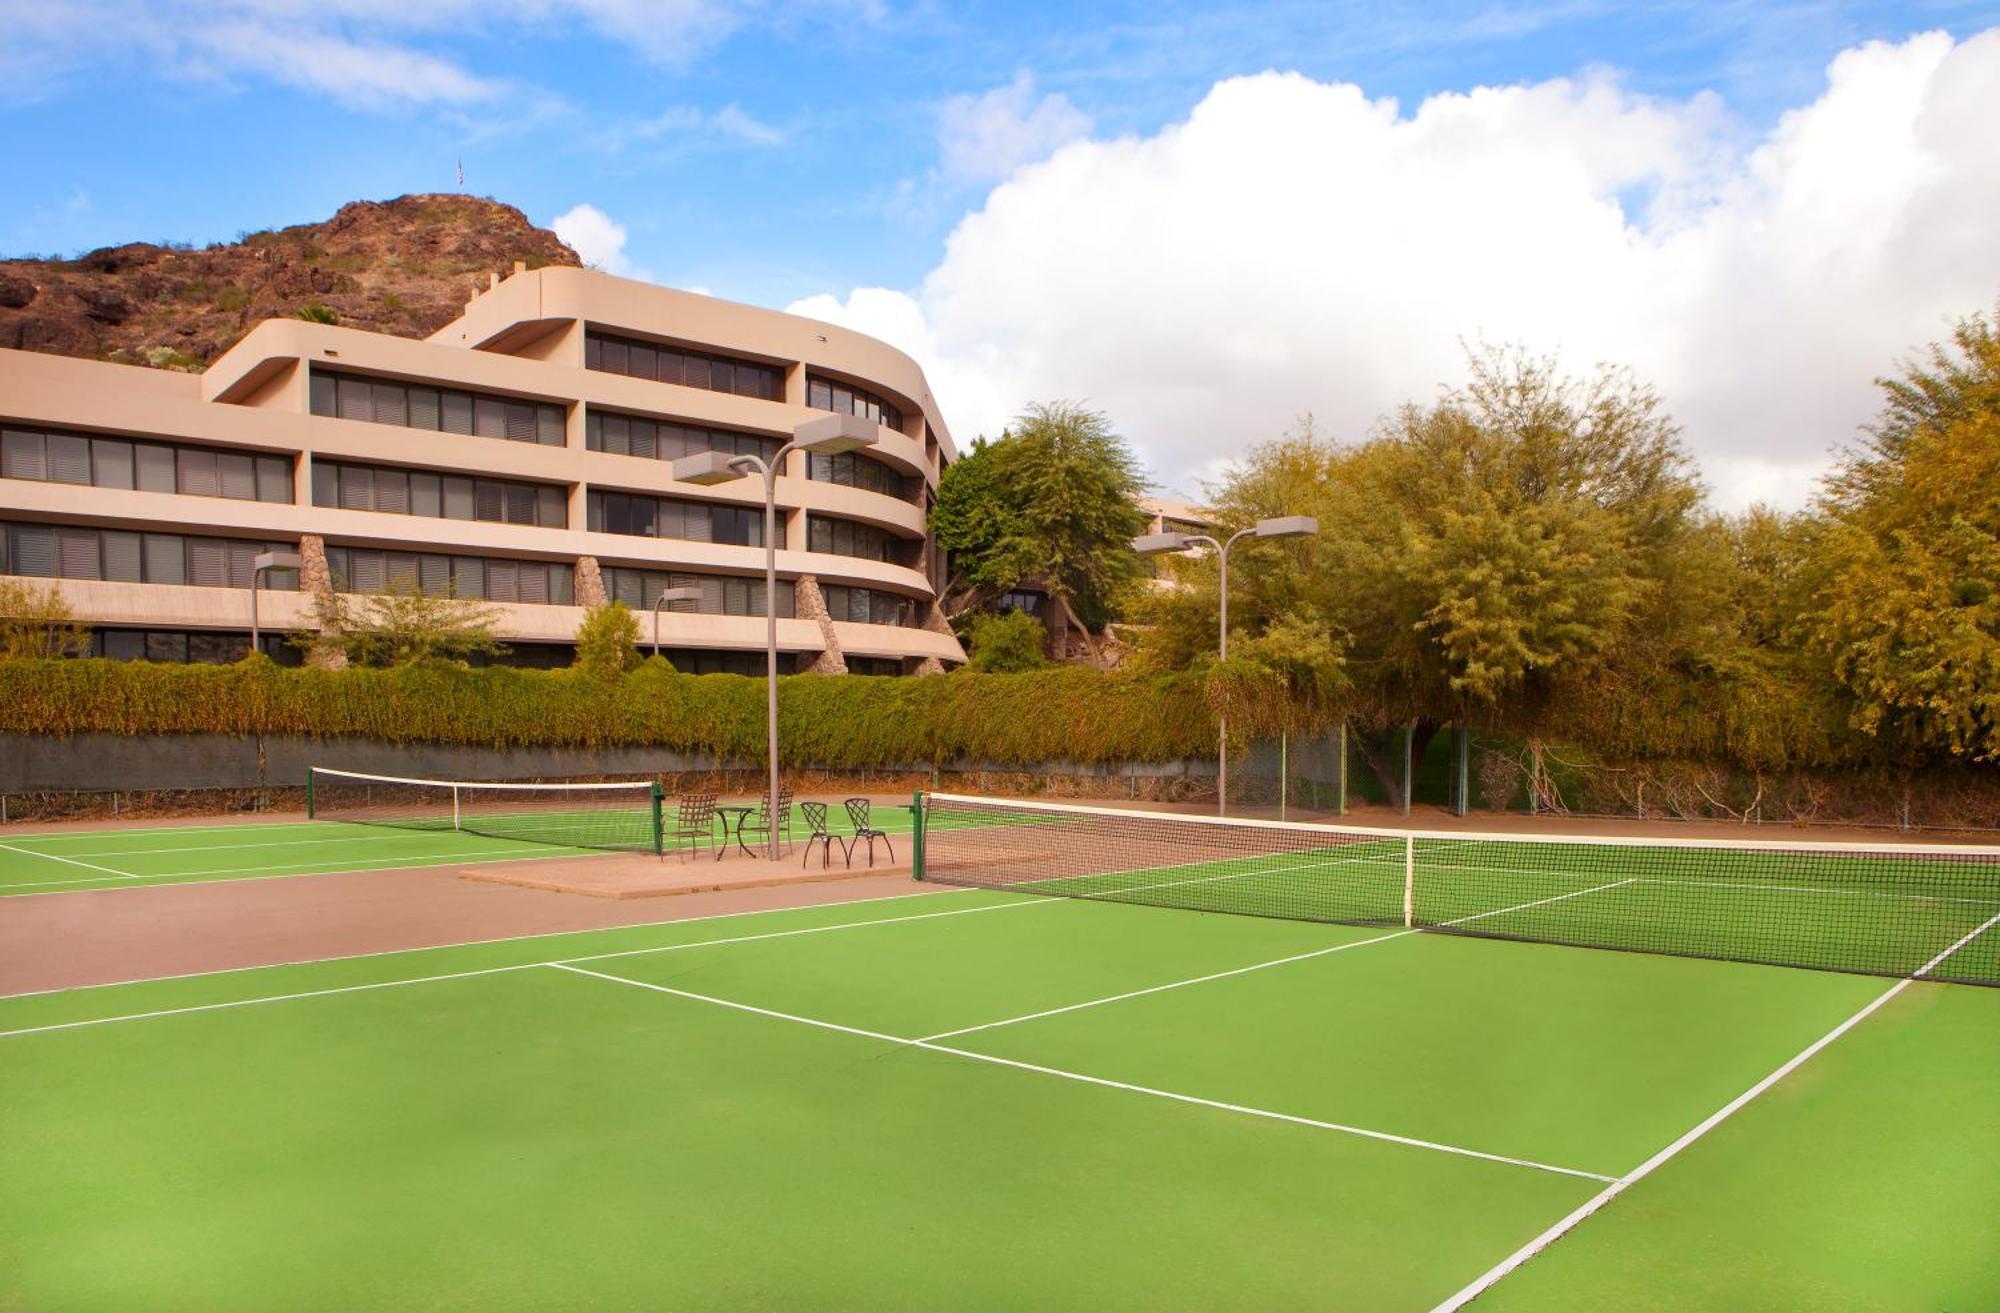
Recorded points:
(259,563)
(1157,544)
(829,435)
(667,598)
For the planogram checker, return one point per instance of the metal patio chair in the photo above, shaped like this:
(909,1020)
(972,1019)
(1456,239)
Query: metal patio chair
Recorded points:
(857,812)
(694,821)
(815,814)
(760,821)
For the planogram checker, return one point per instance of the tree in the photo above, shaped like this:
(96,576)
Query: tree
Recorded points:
(1052,502)
(1908,585)
(402,626)
(38,624)
(607,642)
(1476,557)
(1005,643)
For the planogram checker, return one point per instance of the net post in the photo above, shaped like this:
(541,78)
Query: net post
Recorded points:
(309,793)
(917,834)
(454,807)
(1340,802)
(1409,881)
(659,820)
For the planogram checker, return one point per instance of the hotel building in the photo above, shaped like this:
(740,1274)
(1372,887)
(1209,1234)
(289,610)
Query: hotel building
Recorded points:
(520,455)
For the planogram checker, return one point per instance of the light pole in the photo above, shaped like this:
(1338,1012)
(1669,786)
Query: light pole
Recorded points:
(667,598)
(830,435)
(1156,544)
(259,563)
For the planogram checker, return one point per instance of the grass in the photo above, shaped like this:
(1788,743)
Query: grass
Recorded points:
(976,1099)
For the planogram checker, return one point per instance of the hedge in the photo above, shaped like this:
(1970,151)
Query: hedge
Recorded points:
(1059,714)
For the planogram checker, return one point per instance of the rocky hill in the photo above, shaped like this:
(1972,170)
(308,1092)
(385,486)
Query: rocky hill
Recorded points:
(405,266)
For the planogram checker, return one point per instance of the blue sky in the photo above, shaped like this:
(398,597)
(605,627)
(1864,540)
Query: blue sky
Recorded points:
(779,152)
(824,169)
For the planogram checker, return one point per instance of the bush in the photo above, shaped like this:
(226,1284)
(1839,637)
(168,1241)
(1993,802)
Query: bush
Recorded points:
(1007,643)
(607,642)
(37,623)
(318,314)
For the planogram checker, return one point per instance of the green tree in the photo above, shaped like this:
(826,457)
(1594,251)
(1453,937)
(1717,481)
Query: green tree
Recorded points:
(1477,557)
(36,623)
(402,626)
(1908,582)
(1050,503)
(1007,642)
(607,642)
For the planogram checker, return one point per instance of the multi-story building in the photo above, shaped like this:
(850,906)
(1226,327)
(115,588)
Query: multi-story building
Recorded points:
(521,455)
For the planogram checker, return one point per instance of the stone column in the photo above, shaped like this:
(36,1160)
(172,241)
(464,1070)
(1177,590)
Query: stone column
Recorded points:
(316,579)
(589,588)
(811,605)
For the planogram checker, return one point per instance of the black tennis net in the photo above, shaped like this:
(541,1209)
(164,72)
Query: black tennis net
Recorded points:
(1882,909)
(621,815)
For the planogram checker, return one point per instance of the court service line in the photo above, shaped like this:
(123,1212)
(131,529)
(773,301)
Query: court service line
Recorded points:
(88,866)
(519,966)
(1259,966)
(1082,1078)
(1617,1187)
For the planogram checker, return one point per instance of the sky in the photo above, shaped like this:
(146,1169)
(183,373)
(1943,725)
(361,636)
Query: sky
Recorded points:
(1208,221)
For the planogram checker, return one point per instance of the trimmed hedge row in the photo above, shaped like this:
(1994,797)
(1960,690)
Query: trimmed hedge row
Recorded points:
(1059,714)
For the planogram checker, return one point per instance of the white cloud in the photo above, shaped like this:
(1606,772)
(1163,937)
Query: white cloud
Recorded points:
(731,121)
(986,137)
(1294,246)
(599,239)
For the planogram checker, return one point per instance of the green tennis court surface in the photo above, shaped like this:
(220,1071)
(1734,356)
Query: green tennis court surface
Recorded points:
(55,860)
(990,1101)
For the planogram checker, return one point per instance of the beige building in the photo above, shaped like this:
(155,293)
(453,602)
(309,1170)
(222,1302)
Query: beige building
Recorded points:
(521,455)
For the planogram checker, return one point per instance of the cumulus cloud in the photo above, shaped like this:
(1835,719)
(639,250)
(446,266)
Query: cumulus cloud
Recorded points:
(599,239)
(1294,246)
(986,137)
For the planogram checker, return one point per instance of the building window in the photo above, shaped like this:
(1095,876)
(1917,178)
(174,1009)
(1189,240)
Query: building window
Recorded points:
(1019,601)
(667,517)
(59,551)
(861,665)
(850,470)
(489,579)
(441,410)
(145,466)
(658,362)
(439,496)
(703,661)
(634,435)
(720,594)
(195,646)
(846,399)
(869,606)
(825,533)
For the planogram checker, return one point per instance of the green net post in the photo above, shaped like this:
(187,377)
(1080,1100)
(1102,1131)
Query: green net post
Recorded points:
(1461,772)
(917,834)
(659,821)
(309,793)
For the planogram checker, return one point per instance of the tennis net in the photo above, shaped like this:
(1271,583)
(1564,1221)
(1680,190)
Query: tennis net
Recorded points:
(1881,909)
(623,815)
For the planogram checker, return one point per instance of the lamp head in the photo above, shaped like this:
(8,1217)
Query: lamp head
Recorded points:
(275,561)
(1158,544)
(830,435)
(1286,526)
(709,467)
(671,595)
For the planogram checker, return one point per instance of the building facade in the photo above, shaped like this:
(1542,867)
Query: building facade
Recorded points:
(521,456)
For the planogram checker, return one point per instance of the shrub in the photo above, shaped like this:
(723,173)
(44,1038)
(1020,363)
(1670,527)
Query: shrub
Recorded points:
(607,642)
(318,314)
(1007,643)
(37,623)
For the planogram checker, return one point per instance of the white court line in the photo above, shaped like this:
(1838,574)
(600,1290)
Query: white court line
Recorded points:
(1751,886)
(994,1060)
(1259,966)
(1514,1260)
(89,866)
(480,943)
(533,853)
(487,971)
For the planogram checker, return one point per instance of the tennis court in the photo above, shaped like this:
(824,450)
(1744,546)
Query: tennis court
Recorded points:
(990,1098)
